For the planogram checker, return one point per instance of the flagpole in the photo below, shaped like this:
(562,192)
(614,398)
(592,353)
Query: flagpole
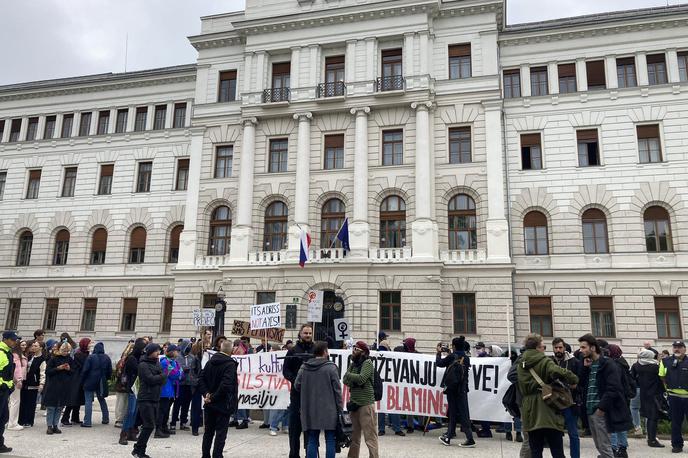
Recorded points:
(336,237)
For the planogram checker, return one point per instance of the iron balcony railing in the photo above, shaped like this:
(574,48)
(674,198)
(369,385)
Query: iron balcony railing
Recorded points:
(390,83)
(331,89)
(280,94)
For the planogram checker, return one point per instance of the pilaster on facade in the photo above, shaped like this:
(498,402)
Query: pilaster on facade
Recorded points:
(242,232)
(612,79)
(673,72)
(189,236)
(425,242)
(360,226)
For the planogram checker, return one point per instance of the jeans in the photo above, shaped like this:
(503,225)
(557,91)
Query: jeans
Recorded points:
(130,419)
(196,410)
(216,426)
(678,410)
(518,426)
(600,435)
(241,415)
(312,447)
(277,417)
(88,407)
(394,420)
(635,408)
(52,416)
(457,410)
(149,414)
(619,440)
(180,410)
(571,421)
(554,438)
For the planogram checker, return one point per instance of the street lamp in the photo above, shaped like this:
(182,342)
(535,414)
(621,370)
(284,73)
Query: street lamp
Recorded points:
(220,309)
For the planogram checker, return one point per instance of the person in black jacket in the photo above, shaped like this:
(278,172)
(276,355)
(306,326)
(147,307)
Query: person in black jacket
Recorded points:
(455,384)
(151,380)
(131,370)
(220,389)
(646,374)
(35,380)
(292,363)
(94,377)
(76,391)
(565,360)
(58,381)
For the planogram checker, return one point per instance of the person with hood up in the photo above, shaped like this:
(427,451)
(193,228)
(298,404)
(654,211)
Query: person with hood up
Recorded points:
(359,378)
(34,383)
(220,390)
(20,367)
(292,363)
(646,374)
(121,391)
(321,400)
(131,371)
(58,382)
(455,383)
(151,380)
(565,360)
(540,421)
(171,370)
(95,374)
(189,380)
(620,439)
(76,388)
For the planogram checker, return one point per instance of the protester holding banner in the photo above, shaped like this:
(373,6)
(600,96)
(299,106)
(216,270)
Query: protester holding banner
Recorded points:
(292,363)
(359,378)
(394,418)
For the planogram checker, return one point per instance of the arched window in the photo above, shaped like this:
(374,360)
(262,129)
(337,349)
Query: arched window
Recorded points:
(137,246)
(657,229)
(595,231)
(462,227)
(393,222)
(61,248)
(220,231)
(24,251)
(535,230)
(174,243)
(331,220)
(99,246)
(276,217)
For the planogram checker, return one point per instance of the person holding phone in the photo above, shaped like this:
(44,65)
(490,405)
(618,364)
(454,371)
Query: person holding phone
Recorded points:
(57,390)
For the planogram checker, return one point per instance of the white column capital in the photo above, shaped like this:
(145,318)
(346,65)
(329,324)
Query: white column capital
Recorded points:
(351,41)
(362,111)
(249,121)
(304,116)
(492,105)
(422,106)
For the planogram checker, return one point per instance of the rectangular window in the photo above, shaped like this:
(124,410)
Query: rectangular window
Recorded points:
(121,121)
(464,313)
(540,315)
(49,131)
(334,77)
(13,309)
(167,307)
(393,147)
(602,316)
(140,119)
(683,66)
(32,129)
(85,124)
(531,152)
(281,81)
(2,128)
(34,184)
(390,310)
(459,61)
(3,181)
(103,122)
(69,182)
(265,297)
(15,129)
(460,145)
(656,69)
(668,315)
(88,319)
(278,155)
(179,115)
(129,307)
(143,179)
(649,146)
(334,151)
(625,72)
(596,76)
(105,182)
(538,81)
(50,318)
(224,156)
(182,175)
(512,83)
(228,86)
(209,301)
(391,69)
(567,78)
(160,115)
(67,124)
(588,147)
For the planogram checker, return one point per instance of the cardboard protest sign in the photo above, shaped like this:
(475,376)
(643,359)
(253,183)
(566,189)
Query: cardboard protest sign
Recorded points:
(243,328)
(265,316)
(315,306)
(203,317)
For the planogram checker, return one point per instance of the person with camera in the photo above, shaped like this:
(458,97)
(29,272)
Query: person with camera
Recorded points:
(455,384)
(359,378)
(301,351)
(673,370)
(321,400)
(540,421)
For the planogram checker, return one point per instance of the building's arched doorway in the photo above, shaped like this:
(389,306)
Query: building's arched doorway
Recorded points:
(333,308)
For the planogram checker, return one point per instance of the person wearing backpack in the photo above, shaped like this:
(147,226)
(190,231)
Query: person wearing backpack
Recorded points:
(94,378)
(455,384)
(360,378)
(620,439)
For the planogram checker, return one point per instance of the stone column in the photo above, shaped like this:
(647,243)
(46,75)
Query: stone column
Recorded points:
(610,72)
(150,117)
(581,75)
(673,72)
(189,236)
(23,129)
(525,80)
(112,121)
(131,118)
(302,194)
(359,229)
(243,229)
(40,129)
(424,228)
(248,70)
(169,115)
(260,71)
(408,63)
(641,68)
(553,78)
(350,66)
(497,225)
(188,112)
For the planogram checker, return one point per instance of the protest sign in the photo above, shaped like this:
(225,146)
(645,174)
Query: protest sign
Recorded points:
(243,328)
(203,317)
(342,329)
(315,306)
(265,316)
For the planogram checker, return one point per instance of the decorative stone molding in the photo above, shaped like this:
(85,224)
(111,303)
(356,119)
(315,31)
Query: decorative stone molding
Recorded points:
(107,156)
(529,123)
(180,149)
(656,193)
(398,116)
(534,198)
(101,217)
(459,113)
(418,106)
(356,110)
(34,162)
(586,118)
(277,126)
(647,113)
(593,196)
(224,134)
(303,116)
(70,159)
(137,217)
(63,219)
(333,122)
(25,221)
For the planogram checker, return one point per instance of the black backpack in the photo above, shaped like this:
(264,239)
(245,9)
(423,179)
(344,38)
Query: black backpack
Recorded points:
(454,375)
(377,386)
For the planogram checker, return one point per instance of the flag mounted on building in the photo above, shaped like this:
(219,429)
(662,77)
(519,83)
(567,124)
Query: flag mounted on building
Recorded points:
(304,247)
(343,235)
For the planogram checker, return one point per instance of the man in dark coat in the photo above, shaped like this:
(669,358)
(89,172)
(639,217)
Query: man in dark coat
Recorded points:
(455,383)
(220,390)
(605,399)
(292,363)
(94,377)
(566,360)
(151,380)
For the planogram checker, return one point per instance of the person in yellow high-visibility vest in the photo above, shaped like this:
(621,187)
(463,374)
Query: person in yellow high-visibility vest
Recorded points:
(9,340)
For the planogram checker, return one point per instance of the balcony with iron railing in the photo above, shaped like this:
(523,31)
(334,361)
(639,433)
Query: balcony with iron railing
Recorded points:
(278,94)
(331,89)
(390,83)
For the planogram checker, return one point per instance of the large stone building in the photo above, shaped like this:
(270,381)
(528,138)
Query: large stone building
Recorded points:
(496,179)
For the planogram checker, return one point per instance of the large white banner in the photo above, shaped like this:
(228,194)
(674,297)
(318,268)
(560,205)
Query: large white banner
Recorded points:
(411,383)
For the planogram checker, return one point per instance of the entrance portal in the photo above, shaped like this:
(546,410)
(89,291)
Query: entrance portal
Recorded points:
(333,308)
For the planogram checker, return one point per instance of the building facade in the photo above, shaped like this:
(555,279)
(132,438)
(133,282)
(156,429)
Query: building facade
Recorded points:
(496,180)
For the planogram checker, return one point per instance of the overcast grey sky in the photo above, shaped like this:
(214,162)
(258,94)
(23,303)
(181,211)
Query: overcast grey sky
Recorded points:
(46,39)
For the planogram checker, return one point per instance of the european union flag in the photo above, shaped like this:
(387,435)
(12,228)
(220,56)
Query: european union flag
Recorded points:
(343,235)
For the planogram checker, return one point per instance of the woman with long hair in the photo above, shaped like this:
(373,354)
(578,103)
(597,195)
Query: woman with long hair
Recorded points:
(197,350)
(76,390)
(59,379)
(121,391)
(34,383)
(241,416)
(19,376)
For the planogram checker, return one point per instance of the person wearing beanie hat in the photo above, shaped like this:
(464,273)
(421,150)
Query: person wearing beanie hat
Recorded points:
(455,384)
(76,388)
(151,380)
(359,378)
(170,368)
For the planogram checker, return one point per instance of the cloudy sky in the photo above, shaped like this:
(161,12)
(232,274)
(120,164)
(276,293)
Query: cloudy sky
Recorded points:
(46,39)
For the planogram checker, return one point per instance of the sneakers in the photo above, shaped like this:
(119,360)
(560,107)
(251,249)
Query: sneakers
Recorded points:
(159,434)
(484,433)
(381,433)
(400,433)
(118,424)
(183,427)
(468,444)
(172,430)
(242,425)
(85,425)
(15,428)
(123,438)
(5,449)
(655,444)
(676,449)
(66,423)
(445,440)
(263,426)
(273,432)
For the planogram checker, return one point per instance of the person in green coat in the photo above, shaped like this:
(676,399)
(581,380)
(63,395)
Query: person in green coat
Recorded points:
(541,422)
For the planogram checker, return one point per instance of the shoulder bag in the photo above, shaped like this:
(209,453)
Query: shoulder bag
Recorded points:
(555,395)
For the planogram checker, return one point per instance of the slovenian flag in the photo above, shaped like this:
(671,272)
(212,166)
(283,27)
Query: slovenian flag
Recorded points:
(343,235)
(305,244)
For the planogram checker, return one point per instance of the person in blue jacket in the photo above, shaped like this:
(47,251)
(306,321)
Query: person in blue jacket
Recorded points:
(173,373)
(95,374)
